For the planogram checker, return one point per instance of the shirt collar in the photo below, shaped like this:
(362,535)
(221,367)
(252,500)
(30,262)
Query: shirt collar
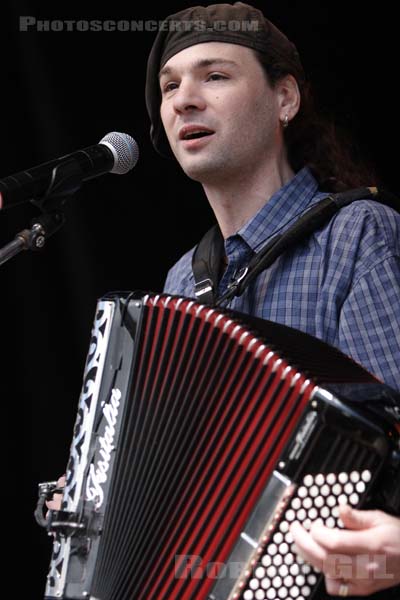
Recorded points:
(282,208)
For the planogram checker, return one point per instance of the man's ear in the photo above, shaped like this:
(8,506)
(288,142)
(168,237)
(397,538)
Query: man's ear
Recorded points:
(288,97)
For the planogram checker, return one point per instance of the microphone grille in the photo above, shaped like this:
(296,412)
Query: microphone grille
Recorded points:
(124,149)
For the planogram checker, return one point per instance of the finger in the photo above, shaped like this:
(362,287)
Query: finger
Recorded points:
(359,519)
(55,503)
(338,587)
(307,547)
(61,481)
(343,541)
(353,587)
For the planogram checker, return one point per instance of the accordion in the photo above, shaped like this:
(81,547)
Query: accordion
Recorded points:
(201,434)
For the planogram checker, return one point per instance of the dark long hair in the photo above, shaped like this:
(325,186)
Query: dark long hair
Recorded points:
(316,141)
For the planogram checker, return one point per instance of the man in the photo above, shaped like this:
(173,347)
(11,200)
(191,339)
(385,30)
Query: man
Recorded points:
(233,107)
(262,161)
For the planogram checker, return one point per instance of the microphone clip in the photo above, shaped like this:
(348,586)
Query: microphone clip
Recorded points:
(65,181)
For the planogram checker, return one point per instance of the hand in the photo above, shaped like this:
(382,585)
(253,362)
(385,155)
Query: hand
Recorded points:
(358,561)
(55,503)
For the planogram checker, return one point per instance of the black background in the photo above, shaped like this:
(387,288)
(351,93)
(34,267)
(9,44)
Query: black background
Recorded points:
(62,91)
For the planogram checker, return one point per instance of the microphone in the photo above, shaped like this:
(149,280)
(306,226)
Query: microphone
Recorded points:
(115,153)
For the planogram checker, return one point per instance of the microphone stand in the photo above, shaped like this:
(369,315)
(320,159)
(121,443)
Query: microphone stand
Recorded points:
(64,182)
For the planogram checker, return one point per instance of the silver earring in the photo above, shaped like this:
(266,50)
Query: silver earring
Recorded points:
(285,121)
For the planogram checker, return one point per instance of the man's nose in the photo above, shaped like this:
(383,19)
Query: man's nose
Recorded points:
(188,97)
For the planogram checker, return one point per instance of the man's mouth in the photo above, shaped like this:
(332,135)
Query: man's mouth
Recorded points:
(193,132)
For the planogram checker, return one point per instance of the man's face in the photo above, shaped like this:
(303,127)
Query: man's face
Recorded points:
(218,111)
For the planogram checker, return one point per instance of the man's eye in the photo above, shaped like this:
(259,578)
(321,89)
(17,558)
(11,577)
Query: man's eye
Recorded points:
(216,76)
(168,87)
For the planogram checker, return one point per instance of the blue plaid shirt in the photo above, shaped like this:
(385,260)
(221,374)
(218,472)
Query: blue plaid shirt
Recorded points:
(341,285)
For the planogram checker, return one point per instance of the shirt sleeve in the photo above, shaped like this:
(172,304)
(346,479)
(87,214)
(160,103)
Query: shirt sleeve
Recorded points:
(369,326)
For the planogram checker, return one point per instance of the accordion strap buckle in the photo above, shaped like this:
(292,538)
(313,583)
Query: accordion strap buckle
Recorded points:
(204,287)
(241,274)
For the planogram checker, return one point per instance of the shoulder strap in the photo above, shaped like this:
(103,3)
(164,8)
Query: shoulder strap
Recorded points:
(206,265)
(207,256)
